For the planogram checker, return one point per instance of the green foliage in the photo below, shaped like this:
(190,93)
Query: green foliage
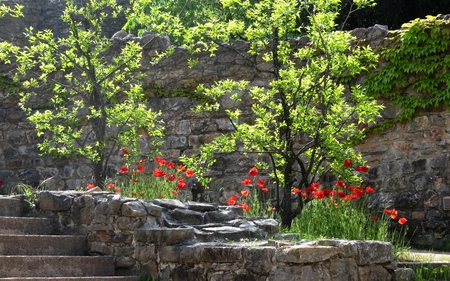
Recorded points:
(415,74)
(429,272)
(306,98)
(95,103)
(339,219)
(6,48)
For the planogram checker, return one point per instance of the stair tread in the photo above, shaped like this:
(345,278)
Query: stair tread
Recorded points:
(21,244)
(56,266)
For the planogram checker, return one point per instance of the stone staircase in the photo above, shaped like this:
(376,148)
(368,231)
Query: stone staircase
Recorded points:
(29,250)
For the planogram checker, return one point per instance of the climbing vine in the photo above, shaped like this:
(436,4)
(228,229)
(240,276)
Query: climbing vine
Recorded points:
(416,73)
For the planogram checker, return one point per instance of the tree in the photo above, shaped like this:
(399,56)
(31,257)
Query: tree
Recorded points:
(309,96)
(84,97)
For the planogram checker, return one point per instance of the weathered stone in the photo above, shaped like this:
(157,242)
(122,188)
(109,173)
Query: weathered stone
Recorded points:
(374,252)
(190,254)
(187,217)
(214,253)
(344,269)
(110,237)
(152,209)
(109,206)
(201,207)
(166,236)
(305,254)
(134,209)
(404,274)
(169,203)
(144,253)
(374,273)
(286,273)
(51,201)
(101,249)
(258,259)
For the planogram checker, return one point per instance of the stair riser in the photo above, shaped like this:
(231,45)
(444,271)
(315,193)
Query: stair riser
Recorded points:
(45,245)
(24,225)
(55,266)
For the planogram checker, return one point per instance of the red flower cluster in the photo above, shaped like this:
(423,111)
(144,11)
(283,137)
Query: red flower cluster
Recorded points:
(245,193)
(394,214)
(340,190)
(249,182)
(171,173)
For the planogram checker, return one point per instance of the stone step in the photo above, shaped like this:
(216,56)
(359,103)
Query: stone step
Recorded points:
(12,206)
(90,278)
(43,245)
(56,266)
(25,225)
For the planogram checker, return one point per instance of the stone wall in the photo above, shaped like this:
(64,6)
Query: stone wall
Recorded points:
(178,241)
(409,162)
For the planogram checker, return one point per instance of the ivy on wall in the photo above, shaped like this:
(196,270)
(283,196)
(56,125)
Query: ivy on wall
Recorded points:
(415,72)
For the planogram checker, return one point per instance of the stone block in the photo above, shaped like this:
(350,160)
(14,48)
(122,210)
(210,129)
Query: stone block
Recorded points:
(305,254)
(344,269)
(180,254)
(374,273)
(110,237)
(187,217)
(145,253)
(214,253)
(258,259)
(51,201)
(133,209)
(164,236)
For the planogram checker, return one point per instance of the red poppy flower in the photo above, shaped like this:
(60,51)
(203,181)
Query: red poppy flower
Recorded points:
(352,187)
(140,162)
(125,152)
(261,183)
(171,165)
(341,194)
(244,193)
(296,191)
(340,184)
(141,194)
(110,185)
(1,182)
(315,185)
(363,169)
(135,180)
(181,183)
(253,172)
(181,168)
(271,208)
(160,161)
(171,177)
(245,207)
(374,218)
(175,191)
(140,169)
(133,194)
(232,200)
(117,190)
(358,192)
(326,192)
(264,190)
(124,170)
(392,212)
(90,185)
(402,221)
(189,173)
(348,162)
(369,189)
(159,173)
(247,182)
